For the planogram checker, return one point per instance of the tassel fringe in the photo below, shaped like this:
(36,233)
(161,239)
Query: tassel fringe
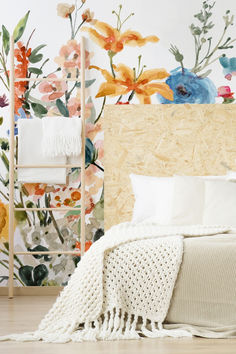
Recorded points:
(112,325)
(54,146)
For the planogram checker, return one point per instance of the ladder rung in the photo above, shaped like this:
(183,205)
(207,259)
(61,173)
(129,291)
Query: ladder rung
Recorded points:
(48,166)
(45,79)
(47,252)
(47,209)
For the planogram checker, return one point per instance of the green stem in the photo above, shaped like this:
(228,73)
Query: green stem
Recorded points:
(56,227)
(131,95)
(36,84)
(23,206)
(47,202)
(120,97)
(5,68)
(207,59)
(79,27)
(4,195)
(16,276)
(68,94)
(27,44)
(15,257)
(99,167)
(111,55)
(72,28)
(4,83)
(103,105)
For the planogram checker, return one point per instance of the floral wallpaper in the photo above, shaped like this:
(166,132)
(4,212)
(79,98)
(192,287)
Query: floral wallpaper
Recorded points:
(120,69)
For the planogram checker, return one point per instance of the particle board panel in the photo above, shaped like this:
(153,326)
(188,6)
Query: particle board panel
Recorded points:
(163,140)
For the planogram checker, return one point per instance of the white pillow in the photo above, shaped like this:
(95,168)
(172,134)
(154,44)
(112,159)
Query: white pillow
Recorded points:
(188,200)
(153,198)
(220,203)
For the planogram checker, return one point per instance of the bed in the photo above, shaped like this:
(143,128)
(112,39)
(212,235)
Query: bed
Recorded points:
(166,264)
(192,140)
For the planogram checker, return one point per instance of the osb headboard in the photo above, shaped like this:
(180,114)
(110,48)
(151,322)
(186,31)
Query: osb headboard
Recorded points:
(162,140)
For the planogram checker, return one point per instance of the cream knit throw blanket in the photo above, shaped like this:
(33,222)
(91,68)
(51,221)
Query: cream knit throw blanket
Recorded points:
(126,278)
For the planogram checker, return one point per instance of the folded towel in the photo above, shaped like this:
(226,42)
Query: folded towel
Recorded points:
(30,153)
(61,136)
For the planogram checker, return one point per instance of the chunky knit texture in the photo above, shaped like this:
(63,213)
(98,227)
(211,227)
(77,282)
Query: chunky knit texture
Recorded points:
(126,278)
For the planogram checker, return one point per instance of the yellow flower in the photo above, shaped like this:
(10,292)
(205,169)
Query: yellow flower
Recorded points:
(113,40)
(64,10)
(3,222)
(125,82)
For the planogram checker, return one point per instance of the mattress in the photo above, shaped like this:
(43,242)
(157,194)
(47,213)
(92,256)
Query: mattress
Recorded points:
(204,298)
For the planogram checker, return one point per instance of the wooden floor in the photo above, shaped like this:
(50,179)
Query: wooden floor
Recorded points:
(23,313)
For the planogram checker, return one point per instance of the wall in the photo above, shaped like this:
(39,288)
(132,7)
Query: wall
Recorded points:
(160,25)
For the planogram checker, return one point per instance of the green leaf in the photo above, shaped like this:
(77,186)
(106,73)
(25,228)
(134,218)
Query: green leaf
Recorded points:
(25,273)
(40,273)
(5,160)
(87,83)
(20,27)
(33,276)
(1,120)
(35,59)
(5,39)
(38,249)
(34,56)
(35,71)
(62,108)
(73,212)
(39,109)
(20,215)
(90,152)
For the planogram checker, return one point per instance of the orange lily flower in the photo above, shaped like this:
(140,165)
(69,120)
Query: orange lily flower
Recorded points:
(125,81)
(113,40)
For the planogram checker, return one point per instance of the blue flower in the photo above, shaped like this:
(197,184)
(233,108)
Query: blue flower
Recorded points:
(189,88)
(21,115)
(229,66)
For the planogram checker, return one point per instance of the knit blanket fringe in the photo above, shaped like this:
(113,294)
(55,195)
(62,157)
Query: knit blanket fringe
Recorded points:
(113,325)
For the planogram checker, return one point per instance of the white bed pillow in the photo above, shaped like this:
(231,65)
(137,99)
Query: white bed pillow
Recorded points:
(153,198)
(220,203)
(188,200)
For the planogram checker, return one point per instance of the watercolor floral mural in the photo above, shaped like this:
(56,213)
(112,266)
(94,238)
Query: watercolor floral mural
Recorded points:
(193,85)
(117,83)
(42,230)
(123,80)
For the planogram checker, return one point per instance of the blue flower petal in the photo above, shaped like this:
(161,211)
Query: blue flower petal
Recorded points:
(189,88)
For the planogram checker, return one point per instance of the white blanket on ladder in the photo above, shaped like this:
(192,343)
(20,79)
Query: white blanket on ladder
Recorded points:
(126,277)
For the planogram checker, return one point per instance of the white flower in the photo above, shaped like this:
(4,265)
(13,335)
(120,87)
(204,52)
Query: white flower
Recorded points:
(64,10)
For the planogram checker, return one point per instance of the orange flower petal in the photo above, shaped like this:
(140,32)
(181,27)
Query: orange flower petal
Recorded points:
(162,88)
(153,74)
(133,38)
(106,29)
(95,36)
(108,89)
(104,72)
(125,73)
(143,99)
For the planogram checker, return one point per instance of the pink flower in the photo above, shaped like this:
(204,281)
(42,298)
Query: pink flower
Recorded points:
(225,92)
(92,130)
(53,89)
(70,58)
(74,107)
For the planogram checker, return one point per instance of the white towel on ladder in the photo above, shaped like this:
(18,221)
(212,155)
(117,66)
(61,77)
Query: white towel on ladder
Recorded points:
(61,136)
(30,153)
